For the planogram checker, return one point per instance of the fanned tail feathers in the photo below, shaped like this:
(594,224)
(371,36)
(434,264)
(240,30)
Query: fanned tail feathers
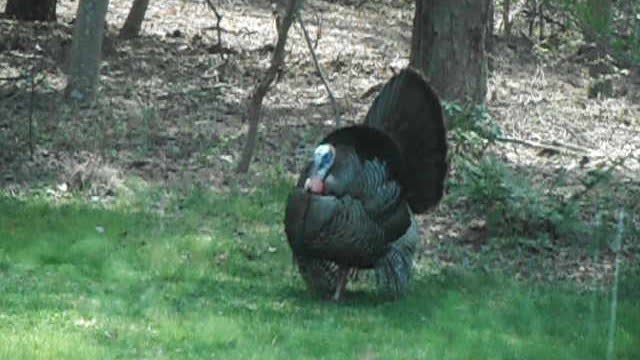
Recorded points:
(409,111)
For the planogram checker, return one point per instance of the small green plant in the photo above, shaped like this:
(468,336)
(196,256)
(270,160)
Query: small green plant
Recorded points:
(471,129)
(512,206)
(507,199)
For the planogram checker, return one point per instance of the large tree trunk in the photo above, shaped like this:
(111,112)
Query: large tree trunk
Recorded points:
(132,25)
(31,10)
(490,40)
(491,24)
(448,45)
(86,50)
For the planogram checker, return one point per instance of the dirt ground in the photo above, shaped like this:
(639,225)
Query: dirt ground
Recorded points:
(171,106)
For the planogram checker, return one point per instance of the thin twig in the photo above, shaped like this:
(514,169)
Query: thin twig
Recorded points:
(218,20)
(14,78)
(31,105)
(557,146)
(617,246)
(318,30)
(334,103)
(595,259)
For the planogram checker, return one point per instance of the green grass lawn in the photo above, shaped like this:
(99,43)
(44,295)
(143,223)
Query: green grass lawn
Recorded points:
(206,276)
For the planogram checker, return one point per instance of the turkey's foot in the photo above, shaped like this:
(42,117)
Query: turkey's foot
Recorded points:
(343,277)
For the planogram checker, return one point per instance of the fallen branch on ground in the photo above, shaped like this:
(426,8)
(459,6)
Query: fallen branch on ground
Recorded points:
(14,78)
(556,146)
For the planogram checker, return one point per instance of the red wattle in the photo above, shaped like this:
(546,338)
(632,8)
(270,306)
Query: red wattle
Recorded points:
(315,185)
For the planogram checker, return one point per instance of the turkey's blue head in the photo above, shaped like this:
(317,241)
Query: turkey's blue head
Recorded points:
(323,158)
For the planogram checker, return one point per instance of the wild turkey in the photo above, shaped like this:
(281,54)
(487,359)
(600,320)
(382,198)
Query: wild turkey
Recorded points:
(352,206)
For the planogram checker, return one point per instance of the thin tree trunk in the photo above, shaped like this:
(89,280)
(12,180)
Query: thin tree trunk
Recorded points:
(541,21)
(255,103)
(31,10)
(617,246)
(597,28)
(490,25)
(448,45)
(506,19)
(533,5)
(416,33)
(132,25)
(86,50)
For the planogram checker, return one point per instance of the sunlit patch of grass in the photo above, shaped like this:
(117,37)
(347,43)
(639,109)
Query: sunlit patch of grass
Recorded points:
(48,341)
(201,275)
(197,331)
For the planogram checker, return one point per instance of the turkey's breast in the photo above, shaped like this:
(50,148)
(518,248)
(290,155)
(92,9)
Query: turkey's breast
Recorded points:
(361,213)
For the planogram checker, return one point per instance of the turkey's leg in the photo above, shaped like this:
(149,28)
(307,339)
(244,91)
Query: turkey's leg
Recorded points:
(343,276)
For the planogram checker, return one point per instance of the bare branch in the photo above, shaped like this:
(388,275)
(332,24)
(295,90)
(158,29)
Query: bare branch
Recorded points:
(14,78)
(255,102)
(558,147)
(217,27)
(31,105)
(334,103)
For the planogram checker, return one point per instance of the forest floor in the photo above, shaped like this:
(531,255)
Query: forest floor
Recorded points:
(171,107)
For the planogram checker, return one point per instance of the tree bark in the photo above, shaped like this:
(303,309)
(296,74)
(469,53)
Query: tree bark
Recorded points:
(255,103)
(541,20)
(532,5)
(86,50)
(132,25)
(491,38)
(491,24)
(506,18)
(597,28)
(449,46)
(31,10)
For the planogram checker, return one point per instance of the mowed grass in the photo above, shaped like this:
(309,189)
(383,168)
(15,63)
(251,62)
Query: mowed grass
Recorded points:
(197,275)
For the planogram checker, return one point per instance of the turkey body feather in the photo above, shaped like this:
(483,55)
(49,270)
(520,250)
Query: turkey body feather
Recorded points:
(352,206)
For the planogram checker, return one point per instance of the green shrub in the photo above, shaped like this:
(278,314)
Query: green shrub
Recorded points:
(471,130)
(485,187)
(511,205)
